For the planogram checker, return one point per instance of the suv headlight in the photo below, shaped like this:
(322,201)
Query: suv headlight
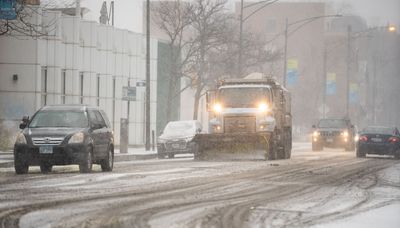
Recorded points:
(188,139)
(20,139)
(77,138)
(315,133)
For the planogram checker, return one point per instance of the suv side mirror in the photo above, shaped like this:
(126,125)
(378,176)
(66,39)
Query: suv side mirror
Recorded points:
(313,126)
(352,126)
(24,122)
(198,130)
(96,126)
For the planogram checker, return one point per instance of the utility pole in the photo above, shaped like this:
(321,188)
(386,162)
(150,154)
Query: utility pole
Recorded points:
(239,73)
(324,74)
(285,53)
(147,76)
(348,69)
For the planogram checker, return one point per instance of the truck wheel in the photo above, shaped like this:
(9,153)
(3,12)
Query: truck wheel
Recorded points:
(21,167)
(271,153)
(45,167)
(86,165)
(360,153)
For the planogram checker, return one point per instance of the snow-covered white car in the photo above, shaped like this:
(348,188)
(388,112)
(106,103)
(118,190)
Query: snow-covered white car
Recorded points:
(177,138)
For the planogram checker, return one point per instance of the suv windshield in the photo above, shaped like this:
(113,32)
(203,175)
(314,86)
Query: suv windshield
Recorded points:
(243,97)
(332,123)
(59,118)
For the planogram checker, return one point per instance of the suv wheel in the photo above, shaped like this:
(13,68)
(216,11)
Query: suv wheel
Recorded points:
(21,167)
(107,164)
(46,167)
(171,155)
(86,165)
(160,153)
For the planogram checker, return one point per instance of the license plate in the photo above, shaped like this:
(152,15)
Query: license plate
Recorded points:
(175,146)
(376,139)
(329,140)
(46,149)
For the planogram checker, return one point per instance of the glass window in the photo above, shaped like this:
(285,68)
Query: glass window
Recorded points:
(248,97)
(59,118)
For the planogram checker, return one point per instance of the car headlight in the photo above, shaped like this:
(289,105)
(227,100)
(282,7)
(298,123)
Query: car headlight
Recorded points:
(188,139)
(315,133)
(77,138)
(20,139)
(217,108)
(345,134)
(263,107)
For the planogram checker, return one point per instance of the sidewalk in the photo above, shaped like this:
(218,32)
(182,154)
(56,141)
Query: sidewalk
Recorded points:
(7,157)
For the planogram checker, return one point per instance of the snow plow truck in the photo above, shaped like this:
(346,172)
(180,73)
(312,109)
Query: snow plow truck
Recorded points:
(248,118)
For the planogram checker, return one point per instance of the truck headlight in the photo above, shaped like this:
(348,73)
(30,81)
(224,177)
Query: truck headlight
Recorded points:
(217,108)
(77,138)
(263,107)
(20,139)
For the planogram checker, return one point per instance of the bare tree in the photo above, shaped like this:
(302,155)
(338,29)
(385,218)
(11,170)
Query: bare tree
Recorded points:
(173,19)
(25,23)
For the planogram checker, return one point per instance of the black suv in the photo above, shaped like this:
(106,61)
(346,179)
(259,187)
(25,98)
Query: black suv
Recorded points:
(334,133)
(65,135)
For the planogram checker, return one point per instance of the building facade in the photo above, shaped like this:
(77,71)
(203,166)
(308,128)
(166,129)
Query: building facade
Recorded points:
(77,62)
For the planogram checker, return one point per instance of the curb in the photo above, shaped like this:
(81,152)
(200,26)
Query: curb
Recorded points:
(117,158)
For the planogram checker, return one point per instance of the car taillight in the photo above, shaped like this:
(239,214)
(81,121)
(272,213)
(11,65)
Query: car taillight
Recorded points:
(363,138)
(393,139)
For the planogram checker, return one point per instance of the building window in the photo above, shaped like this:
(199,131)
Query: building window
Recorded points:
(63,80)
(81,86)
(44,86)
(98,90)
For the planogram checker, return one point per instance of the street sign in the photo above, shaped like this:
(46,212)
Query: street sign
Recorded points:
(128,93)
(353,93)
(141,84)
(7,9)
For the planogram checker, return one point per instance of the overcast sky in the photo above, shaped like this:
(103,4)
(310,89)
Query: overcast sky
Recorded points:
(128,13)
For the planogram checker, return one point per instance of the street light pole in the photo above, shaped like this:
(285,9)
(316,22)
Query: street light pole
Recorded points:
(239,73)
(147,76)
(348,70)
(285,54)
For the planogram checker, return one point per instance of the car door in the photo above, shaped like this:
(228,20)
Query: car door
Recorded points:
(96,133)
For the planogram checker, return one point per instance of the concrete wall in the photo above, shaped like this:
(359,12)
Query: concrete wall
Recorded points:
(104,55)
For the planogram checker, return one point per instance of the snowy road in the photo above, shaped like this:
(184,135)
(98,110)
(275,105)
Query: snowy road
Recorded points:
(322,189)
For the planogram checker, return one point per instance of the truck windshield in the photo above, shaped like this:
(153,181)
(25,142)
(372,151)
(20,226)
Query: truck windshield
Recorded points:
(243,97)
(59,118)
(332,123)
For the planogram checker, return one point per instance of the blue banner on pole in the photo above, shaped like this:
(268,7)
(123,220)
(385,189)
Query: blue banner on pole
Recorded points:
(330,84)
(292,77)
(7,9)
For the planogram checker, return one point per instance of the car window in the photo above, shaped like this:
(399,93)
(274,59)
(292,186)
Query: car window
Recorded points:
(103,114)
(59,118)
(96,118)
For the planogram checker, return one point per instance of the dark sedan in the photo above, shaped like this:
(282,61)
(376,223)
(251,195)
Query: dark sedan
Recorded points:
(380,141)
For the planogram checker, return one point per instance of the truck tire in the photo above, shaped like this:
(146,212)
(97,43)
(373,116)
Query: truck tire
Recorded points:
(272,148)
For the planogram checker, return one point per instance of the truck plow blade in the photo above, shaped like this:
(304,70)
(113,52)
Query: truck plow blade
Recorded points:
(232,146)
